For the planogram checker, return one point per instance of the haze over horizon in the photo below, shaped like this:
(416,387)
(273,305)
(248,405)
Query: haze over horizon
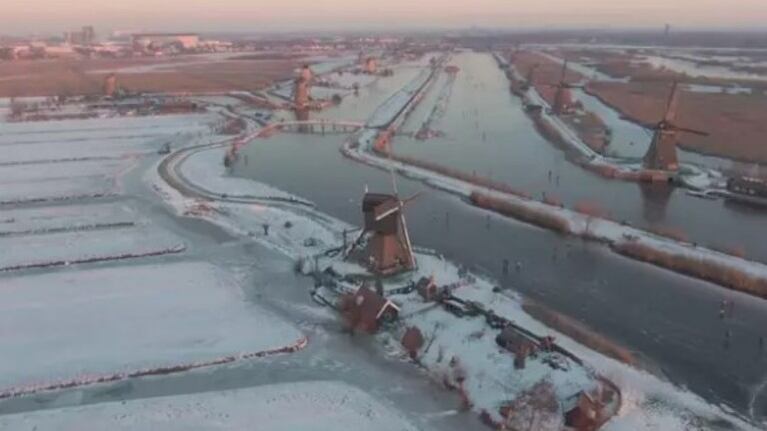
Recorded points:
(54,16)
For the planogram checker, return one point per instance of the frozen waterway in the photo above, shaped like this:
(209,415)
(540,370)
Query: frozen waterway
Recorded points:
(488,133)
(671,319)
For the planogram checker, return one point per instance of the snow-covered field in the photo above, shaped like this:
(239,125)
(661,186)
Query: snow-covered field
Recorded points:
(57,189)
(10,174)
(81,246)
(72,229)
(69,129)
(304,406)
(38,219)
(78,325)
(101,137)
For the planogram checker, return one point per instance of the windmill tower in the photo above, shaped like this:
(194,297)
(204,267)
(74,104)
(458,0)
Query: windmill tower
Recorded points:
(110,85)
(661,155)
(388,249)
(302,88)
(563,100)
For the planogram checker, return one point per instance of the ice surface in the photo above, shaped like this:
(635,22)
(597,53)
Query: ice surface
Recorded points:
(37,219)
(57,189)
(206,169)
(72,129)
(93,168)
(37,250)
(303,406)
(73,325)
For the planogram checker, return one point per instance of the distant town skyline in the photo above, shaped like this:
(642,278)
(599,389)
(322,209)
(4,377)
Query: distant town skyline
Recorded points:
(54,16)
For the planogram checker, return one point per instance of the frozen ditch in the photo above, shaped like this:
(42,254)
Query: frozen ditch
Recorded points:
(45,219)
(57,190)
(23,153)
(92,168)
(79,327)
(57,249)
(67,129)
(304,406)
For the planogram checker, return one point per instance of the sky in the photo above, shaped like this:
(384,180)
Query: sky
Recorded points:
(54,16)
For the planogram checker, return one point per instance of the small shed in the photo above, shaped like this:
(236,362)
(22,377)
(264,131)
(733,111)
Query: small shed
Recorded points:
(584,416)
(365,310)
(518,343)
(427,288)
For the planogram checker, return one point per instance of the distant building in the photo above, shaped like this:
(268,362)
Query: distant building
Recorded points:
(88,34)
(163,40)
(84,36)
(365,310)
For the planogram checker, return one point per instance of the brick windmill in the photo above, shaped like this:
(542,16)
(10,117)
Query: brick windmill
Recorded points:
(388,249)
(661,155)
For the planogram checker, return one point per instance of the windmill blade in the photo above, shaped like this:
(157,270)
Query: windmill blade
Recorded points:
(387,213)
(691,131)
(411,198)
(391,172)
(564,72)
(671,104)
(408,245)
(386,208)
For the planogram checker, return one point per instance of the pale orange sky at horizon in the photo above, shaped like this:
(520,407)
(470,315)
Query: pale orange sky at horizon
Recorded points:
(30,16)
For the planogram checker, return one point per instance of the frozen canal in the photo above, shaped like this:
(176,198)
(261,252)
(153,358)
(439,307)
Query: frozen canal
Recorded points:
(487,132)
(670,319)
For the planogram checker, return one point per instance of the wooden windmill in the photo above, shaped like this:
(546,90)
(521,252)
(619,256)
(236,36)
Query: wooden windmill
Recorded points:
(302,88)
(387,249)
(661,155)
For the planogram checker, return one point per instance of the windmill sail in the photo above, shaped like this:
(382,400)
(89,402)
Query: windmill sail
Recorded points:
(661,155)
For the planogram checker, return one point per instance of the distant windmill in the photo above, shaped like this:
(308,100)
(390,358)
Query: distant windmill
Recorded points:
(302,88)
(562,98)
(661,155)
(388,250)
